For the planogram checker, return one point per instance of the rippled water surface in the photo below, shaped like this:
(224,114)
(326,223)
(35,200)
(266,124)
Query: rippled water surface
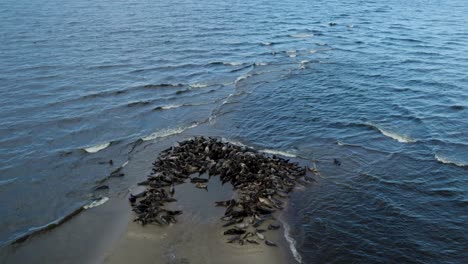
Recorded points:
(381,86)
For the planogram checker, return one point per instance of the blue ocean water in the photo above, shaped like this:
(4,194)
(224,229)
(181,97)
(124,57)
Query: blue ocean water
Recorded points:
(382,86)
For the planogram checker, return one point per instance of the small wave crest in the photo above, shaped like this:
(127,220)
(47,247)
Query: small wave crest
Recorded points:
(233,63)
(393,135)
(97,147)
(198,85)
(138,103)
(240,78)
(173,106)
(302,35)
(7,181)
(279,152)
(167,107)
(168,132)
(291,53)
(446,160)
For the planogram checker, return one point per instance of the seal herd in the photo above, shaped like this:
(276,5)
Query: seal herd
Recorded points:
(260,181)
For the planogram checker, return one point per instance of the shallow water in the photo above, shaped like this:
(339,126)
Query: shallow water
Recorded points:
(383,90)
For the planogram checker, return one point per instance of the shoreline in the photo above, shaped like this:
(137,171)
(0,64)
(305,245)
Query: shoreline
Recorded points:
(107,234)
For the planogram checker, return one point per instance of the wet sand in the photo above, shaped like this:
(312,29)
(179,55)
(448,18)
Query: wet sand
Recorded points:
(197,237)
(107,234)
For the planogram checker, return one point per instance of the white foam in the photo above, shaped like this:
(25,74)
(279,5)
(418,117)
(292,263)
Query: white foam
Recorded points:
(445,160)
(392,135)
(198,85)
(172,106)
(279,152)
(240,78)
(395,136)
(234,142)
(291,242)
(260,64)
(302,35)
(291,53)
(167,132)
(233,63)
(96,203)
(303,64)
(266,43)
(97,147)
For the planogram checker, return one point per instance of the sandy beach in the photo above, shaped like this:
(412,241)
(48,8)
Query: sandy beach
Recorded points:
(107,233)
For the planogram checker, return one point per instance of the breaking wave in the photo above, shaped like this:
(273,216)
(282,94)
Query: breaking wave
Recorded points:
(395,136)
(279,152)
(445,160)
(240,78)
(168,132)
(97,147)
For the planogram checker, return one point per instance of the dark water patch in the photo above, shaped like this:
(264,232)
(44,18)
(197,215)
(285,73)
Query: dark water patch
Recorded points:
(457,107)
(162,85)
(104,94)
(446,192)
(139,103)
(108,67)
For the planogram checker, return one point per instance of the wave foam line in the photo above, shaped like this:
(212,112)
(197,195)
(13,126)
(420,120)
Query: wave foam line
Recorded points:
(96,203)
(292,243)
(445,160)
(234,142)
(49,226)
(97,147)
(279,152)
(168,132)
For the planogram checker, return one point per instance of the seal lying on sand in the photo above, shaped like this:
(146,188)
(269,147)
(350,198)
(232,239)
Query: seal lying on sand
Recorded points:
(261,182)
